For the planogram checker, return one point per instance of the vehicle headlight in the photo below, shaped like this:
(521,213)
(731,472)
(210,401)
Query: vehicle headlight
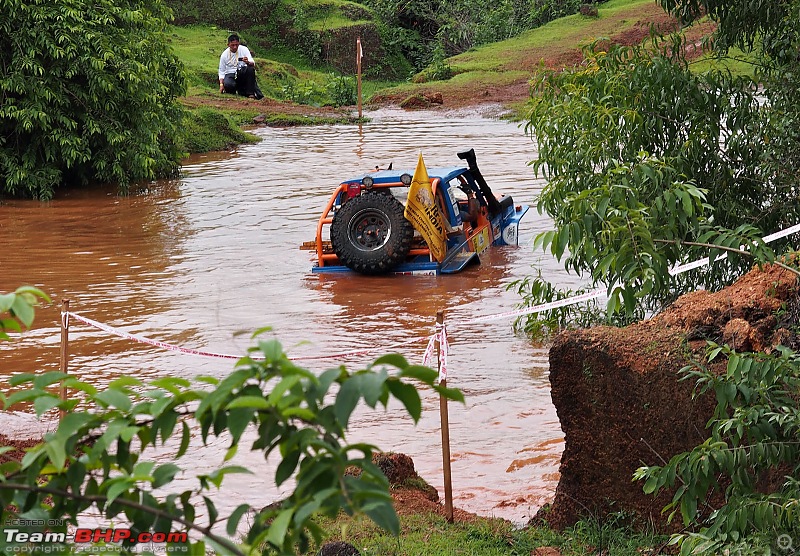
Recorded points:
(406,179)
(367,182)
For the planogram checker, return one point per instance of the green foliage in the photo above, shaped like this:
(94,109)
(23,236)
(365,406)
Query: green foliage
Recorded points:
(20,306)
(752,457)
(535,290)
(206,129)
(341,90)
(337,90)
(418,28)
(88,94)
(741,23)
(645,159)
(305,92)
(98,456)
(438,70)
(228,14)
(307,42)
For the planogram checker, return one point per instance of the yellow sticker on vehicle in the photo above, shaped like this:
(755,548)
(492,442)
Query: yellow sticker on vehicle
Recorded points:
(481,241)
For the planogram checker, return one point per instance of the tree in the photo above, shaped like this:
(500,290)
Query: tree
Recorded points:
(649,163)
(88,92)
(98,456)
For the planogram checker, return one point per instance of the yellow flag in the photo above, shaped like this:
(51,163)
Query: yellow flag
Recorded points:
(422,212)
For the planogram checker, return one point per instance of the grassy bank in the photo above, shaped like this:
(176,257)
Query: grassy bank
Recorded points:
(299,93)
(216,122)
(431,535)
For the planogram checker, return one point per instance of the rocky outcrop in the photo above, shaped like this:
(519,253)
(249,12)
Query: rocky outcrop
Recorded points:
(621,402)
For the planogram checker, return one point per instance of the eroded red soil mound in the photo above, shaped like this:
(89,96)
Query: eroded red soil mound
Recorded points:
(621,402)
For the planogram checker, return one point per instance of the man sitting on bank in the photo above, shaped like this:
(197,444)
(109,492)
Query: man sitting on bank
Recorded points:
(237,69)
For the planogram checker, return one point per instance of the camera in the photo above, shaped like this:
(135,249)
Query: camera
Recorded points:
(240,58)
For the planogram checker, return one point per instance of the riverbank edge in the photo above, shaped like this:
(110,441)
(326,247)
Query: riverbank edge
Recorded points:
(425,528)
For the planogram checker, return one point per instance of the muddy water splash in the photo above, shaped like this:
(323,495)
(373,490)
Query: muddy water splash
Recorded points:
(198,260)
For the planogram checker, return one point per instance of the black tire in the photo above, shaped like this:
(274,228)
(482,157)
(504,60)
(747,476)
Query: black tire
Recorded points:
(370,234)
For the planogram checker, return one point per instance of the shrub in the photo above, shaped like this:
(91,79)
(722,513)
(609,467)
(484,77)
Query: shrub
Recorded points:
(90,95)
(341,90)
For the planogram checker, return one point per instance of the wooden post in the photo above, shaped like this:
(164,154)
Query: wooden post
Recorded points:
(64,351)
(359,55)
(448,480)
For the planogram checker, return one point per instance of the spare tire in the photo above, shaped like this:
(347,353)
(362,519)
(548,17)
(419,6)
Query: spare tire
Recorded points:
(370,234)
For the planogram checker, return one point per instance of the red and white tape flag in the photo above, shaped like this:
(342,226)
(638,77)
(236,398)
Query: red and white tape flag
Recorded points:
(441,336)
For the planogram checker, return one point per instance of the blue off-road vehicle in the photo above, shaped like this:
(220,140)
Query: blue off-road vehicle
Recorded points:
(369,234)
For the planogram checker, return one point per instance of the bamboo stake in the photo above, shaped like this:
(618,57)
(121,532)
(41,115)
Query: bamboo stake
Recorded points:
(358,73)
(64,352)
(448,480)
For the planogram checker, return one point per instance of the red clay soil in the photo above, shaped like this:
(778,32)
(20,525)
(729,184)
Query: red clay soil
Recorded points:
(411,494)
(622,405)
(265,106)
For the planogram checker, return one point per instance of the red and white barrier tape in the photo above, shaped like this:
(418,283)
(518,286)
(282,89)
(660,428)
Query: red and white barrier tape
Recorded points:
(440,334)
(145,340)
(594,294)
(444,348)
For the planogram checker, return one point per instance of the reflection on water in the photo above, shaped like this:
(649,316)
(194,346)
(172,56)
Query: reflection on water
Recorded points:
(197,260)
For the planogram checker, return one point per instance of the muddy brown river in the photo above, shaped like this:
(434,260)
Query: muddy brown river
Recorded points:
(199,260)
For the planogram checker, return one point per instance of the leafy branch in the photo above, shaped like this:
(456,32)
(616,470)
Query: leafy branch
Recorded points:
(20,306)
(98,457)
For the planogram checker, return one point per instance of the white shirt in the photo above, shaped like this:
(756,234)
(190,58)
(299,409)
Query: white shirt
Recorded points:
(229,61)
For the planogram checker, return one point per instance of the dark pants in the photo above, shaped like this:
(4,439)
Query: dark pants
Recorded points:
(242,82)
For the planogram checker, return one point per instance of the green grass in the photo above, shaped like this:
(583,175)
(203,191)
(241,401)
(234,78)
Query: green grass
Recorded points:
(737,62)
(514,59)
(564,34)
(431,535)
(199,48)
(334,20)
(216,128)
(206,129)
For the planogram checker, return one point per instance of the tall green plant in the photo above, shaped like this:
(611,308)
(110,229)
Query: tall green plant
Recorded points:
(647,162)
(751,460)
(100,455)
(88,93)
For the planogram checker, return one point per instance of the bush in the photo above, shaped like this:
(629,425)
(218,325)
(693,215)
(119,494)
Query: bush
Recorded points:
(341,90)
(751,457)
(91,95)
(305,92)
